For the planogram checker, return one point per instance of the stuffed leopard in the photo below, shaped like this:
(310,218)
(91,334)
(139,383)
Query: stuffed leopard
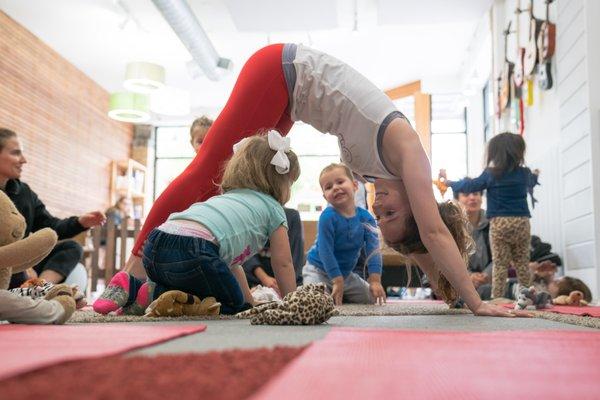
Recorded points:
(308,305)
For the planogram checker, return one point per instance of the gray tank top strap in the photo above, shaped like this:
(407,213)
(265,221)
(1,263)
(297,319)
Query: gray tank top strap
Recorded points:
(390,117)
(289,71)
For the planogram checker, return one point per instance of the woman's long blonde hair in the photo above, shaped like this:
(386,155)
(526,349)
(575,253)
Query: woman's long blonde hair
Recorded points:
(250,168)
(455,219)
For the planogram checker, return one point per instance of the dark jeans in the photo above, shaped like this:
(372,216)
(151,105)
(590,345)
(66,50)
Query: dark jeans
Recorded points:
(265,264)
(191,265)
(62,259)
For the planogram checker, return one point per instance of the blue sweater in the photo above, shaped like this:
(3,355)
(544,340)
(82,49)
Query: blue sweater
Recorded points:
(506,195)
(339,241)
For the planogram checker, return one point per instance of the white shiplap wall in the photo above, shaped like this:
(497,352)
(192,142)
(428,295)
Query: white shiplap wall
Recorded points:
(542,134)
(576,156)
(562,132)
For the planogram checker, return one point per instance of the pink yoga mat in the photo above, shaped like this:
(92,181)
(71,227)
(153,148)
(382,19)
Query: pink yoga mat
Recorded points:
(585,311)
(27,347)
(389,364)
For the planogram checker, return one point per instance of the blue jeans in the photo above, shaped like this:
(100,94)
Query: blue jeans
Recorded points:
(192,265)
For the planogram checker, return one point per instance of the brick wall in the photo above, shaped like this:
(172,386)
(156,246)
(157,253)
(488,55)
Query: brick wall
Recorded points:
(60,116)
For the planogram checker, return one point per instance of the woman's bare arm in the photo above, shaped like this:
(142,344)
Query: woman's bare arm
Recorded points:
(404,154)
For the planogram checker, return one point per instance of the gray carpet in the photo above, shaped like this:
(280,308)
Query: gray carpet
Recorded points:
(397,308)
(347,310)
(590,322)
(239,334)
(91,317)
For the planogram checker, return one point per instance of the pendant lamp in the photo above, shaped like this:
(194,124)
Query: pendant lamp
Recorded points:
(144,77)
(129,107)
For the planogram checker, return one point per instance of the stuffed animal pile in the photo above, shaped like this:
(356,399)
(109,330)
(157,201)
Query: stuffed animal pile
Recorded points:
(529,297)
(308,305)
(175,303)
(575,298)
(18,254)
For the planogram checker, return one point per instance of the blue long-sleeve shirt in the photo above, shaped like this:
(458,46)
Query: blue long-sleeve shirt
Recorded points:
(339,241)
(506,195)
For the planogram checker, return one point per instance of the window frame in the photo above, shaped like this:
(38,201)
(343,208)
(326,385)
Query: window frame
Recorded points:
(157,158)
(463,132)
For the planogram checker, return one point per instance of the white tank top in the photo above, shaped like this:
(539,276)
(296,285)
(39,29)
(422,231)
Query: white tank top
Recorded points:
(334,98)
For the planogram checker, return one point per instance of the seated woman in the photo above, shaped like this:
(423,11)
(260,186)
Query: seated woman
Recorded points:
(67,253)
(120,210)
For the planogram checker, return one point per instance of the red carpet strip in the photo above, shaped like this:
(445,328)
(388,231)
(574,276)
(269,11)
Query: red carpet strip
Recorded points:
(27,347)
(227,375)
(584,311)
(388,364)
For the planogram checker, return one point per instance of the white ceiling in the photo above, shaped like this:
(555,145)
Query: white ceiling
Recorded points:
(395,41)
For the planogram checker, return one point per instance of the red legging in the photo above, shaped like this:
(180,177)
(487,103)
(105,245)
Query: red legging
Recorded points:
(258,101)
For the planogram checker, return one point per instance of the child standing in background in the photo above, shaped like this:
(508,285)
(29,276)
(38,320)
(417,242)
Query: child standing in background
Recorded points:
(198,131)
(200,250)
(342,232)
(507,183)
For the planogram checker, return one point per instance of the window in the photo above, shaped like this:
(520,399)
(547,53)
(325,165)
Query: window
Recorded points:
(488,111)
(448,136)
(173,153)
(315,151)
(406,105)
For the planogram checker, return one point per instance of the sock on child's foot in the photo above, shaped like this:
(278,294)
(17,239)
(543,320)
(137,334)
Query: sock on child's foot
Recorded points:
(115,295)
(142,300)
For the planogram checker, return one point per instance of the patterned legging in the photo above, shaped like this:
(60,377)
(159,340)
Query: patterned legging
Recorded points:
(510,242)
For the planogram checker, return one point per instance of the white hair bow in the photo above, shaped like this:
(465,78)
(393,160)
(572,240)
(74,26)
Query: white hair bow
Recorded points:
(281,145)
(239,145)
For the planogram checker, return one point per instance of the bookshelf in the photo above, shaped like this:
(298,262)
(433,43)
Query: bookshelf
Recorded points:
(128,178)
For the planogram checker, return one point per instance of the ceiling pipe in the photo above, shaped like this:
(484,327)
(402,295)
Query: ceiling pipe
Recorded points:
(183,21)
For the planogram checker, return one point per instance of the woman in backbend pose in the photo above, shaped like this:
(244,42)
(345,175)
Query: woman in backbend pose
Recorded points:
(280,84)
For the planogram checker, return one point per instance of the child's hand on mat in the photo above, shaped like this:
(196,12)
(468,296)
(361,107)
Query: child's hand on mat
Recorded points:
(490,310)
(338,290)
(377,292)
(270,282)
(91,219)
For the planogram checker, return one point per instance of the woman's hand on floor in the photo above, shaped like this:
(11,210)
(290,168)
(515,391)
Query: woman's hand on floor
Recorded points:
(491,310)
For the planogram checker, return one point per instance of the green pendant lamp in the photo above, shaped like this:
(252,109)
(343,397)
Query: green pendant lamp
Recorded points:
(144,77)
(129,107)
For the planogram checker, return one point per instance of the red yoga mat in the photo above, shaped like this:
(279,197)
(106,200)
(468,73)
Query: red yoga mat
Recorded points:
(27,347)
(389,364)
(584,311)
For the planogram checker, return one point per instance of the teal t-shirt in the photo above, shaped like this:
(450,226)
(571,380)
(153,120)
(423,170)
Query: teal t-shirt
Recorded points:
(242,220)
